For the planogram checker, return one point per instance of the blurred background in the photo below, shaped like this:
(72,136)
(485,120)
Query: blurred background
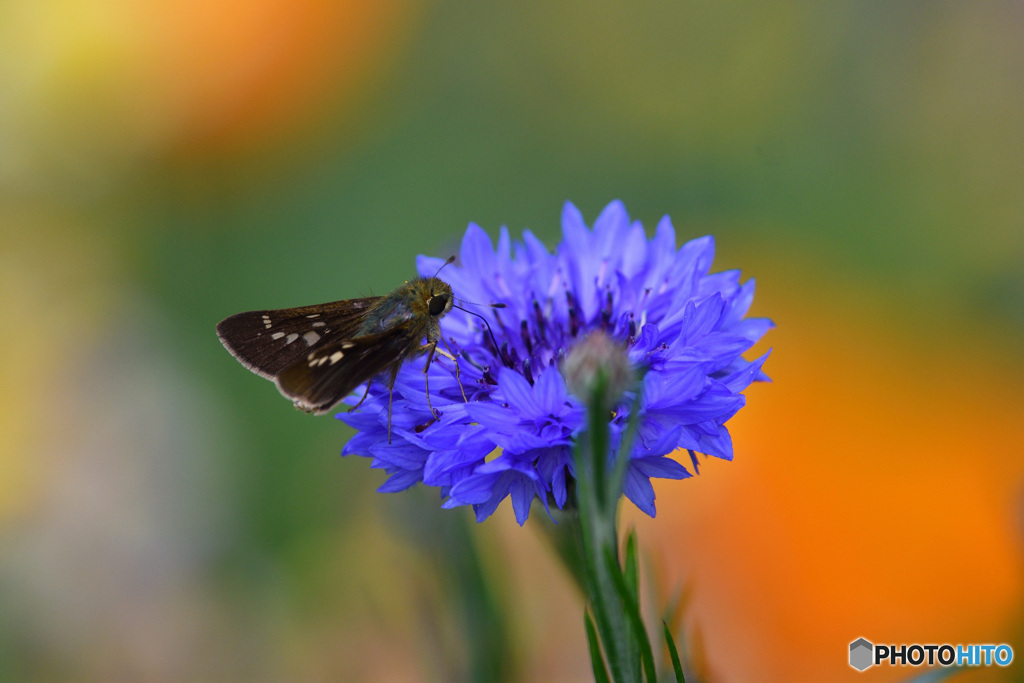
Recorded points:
(166,516)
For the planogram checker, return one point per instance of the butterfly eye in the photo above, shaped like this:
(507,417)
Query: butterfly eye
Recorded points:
(437,304)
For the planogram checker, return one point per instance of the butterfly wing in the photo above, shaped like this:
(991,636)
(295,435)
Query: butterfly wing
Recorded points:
(332,372)
(267,342)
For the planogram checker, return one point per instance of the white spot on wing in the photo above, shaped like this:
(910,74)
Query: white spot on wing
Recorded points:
(313,315)
(277,335)
(336,356)
(291,337)
(319,323)
(311,338)
(266,321)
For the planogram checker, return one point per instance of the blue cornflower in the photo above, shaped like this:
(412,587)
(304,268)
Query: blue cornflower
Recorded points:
(514,435)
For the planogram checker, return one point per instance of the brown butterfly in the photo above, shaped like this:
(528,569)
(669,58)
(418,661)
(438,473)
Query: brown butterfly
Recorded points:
(317,355)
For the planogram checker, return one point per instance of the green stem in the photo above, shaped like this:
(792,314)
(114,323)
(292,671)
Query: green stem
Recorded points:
(598,530)
(587,541)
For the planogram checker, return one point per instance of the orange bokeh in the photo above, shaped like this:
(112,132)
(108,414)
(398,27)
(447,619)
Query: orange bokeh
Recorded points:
(94,89)
(874,493)
(241,69)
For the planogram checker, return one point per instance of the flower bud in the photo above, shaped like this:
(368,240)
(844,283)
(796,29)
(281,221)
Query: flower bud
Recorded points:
(598,364)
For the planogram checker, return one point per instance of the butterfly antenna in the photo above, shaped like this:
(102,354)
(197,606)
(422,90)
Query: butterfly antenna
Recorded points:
(473,303)
(493,340)
(451,260)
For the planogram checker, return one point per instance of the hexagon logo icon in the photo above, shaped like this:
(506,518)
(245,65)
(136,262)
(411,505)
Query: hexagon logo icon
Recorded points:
(861,651)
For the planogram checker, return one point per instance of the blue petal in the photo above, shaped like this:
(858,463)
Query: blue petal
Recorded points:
(428,265)
(552,466)
(705,317)
(575,233)
(752,328)
(740,303)
(706,407)
(634,251)
(518,393)
(506,462)
(662,390)
(662,467)
(610,229)
(726,283)
(664,242)
(522,491)
(540,269)
(521,441)
(549,391)
(701,252)
(723,345)
(441,463)
(693,460)
(487,508)
(476,489)
(741,379)
(504,247)
(477,254)
(719,446)
(359,420)
(493,415)
(638,489)
(657,443)
(401,481)
(581,261)
(361,443)
(400,453)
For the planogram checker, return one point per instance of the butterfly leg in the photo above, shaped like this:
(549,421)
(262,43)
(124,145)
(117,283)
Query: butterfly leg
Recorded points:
(365,394)
(449,354)
(391,393)
(426,381)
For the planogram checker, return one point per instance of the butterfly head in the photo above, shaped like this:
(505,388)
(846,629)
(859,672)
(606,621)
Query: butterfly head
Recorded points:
(438,297)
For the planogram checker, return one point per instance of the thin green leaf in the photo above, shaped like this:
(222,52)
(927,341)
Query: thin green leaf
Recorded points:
(677,666)
(596,661)
(597,589)
(632,578)
(632,609)
(677,605)
(631,572)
